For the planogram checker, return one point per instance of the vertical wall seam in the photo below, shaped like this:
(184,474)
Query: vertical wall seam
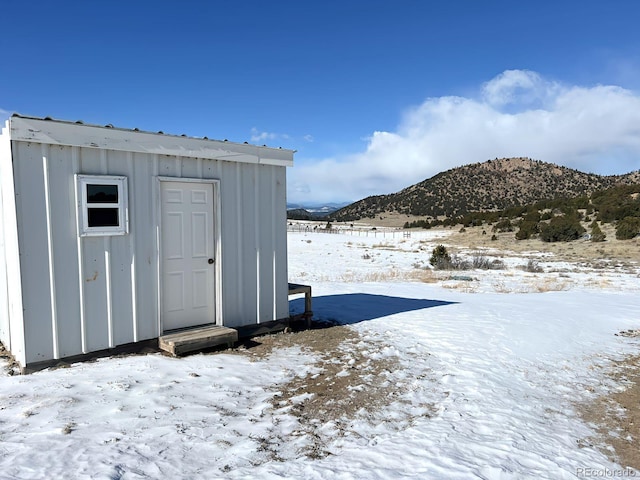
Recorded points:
(52,278)
(283,247)
(240,243)
(132,251)
(107,281)
(256,229)
(199,167)
(104,166)
(273,244)
(156,222)
(75,162)
(217,238)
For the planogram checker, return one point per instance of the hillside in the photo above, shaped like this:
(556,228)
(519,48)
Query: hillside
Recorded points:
(491,185)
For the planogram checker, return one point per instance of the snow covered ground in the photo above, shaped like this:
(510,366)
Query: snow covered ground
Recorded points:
(489,367)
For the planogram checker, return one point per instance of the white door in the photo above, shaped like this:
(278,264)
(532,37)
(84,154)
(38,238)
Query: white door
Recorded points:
(187,249)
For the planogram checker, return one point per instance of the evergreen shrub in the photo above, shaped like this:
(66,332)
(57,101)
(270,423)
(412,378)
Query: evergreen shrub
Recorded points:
(627,228)
(562,229)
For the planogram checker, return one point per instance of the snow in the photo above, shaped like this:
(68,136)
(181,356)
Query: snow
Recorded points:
(490,373)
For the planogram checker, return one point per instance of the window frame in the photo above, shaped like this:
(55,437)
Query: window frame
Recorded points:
(84,230)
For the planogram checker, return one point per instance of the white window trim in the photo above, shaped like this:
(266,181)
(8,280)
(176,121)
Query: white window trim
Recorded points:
(84,230)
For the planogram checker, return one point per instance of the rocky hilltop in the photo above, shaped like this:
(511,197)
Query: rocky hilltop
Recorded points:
(491,185)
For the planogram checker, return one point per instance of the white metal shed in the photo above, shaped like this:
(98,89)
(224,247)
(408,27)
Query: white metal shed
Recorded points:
(113,236)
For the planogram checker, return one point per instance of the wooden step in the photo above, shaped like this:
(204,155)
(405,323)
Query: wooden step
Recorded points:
(199,338)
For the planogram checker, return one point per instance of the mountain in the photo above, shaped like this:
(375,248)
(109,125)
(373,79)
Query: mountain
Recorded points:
(313,210)
(491,185)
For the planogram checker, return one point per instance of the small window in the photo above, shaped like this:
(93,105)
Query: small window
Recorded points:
(102,205)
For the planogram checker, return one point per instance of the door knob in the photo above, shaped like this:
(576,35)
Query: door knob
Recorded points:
(210,261)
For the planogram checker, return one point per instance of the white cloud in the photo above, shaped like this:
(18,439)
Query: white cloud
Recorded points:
(308,138)
(258,136)
(520,88)
(519,113)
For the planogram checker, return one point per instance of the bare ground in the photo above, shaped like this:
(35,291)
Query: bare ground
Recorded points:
(329,396)
(349,385)
(616,417)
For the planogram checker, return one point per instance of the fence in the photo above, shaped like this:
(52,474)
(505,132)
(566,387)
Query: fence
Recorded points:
(355,231)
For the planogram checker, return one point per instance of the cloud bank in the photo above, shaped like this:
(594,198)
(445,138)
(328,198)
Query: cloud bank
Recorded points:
(517,113)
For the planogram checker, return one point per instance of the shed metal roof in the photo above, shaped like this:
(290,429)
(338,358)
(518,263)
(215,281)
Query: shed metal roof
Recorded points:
(61,132)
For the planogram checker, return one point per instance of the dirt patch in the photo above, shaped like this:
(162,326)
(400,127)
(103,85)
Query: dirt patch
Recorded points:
(353,381)
(321,338)
(10,367)
(616,417)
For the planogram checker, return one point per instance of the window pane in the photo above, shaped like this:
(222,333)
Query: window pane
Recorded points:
(97,193)
(103,217)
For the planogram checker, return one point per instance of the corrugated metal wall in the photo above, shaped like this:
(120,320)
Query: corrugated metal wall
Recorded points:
(91,293)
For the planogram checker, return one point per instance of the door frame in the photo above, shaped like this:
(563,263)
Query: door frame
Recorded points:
(217,244)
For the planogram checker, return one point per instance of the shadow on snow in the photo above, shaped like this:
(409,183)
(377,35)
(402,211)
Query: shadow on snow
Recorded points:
(350,308)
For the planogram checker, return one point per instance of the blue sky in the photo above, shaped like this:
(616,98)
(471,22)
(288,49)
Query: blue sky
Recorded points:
(374,95)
